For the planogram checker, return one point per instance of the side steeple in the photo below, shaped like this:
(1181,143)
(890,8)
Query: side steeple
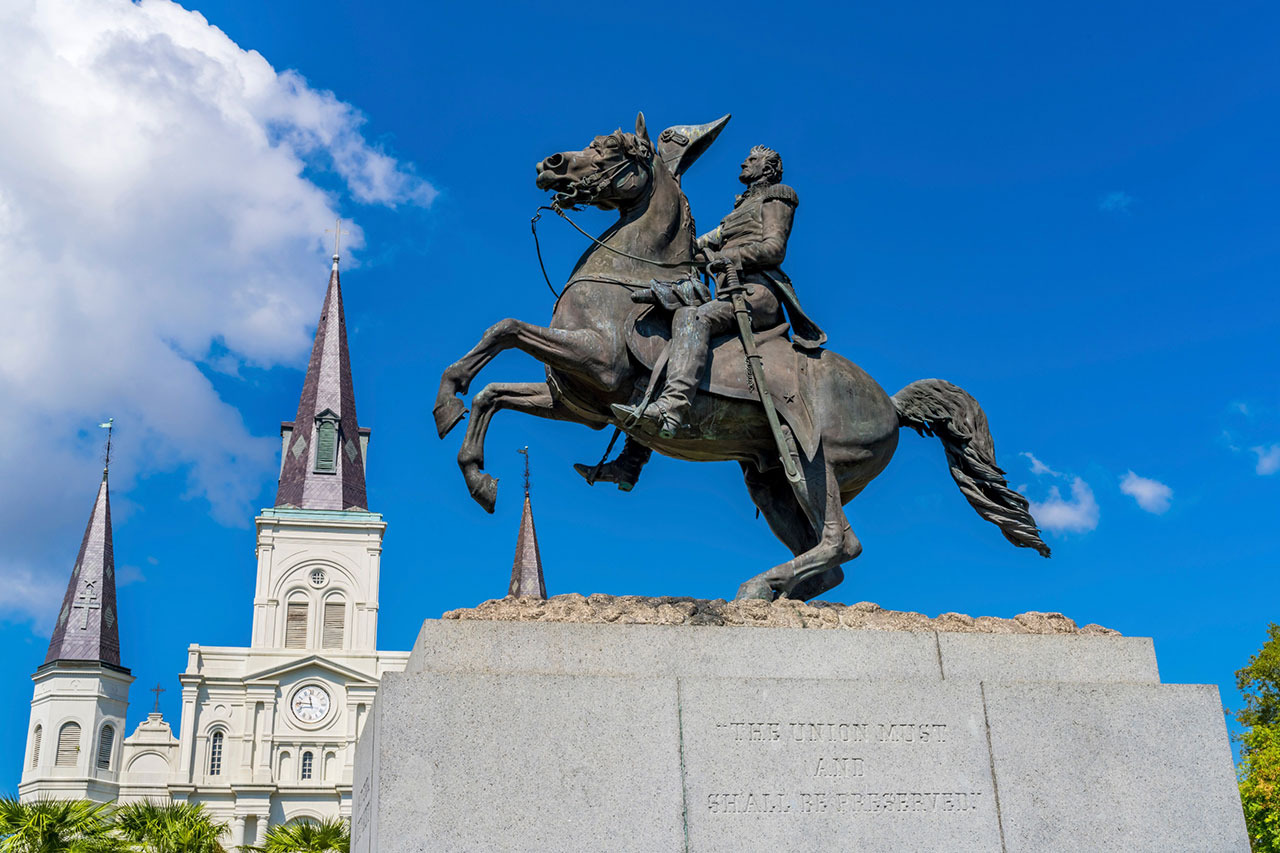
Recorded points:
(527,580)
(87,628)
(324,448)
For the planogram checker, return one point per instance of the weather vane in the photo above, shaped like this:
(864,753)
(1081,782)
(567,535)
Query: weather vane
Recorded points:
(106,457)
(337,233)
(524,451)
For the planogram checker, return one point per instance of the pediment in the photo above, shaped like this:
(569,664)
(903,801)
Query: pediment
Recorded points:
(345,674)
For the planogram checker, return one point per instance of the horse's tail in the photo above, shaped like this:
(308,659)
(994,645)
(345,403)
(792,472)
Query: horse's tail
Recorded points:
(936,407)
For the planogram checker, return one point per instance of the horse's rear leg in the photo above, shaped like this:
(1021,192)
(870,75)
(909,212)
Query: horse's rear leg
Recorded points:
(816,569)
(530,398)
(559,349)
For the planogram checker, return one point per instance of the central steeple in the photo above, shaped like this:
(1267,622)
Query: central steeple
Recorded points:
(324,448)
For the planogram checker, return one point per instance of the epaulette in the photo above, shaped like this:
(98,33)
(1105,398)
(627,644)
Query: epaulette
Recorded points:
(781,192)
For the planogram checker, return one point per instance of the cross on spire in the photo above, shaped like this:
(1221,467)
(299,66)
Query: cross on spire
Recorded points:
(157,690)
(337,233)
(524,451)
(106,456)
(86,601)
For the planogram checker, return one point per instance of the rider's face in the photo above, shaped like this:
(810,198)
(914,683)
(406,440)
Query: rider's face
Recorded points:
(752,169)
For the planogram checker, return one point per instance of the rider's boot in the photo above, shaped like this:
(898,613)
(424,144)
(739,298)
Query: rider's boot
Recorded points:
(625,470)
(687,359)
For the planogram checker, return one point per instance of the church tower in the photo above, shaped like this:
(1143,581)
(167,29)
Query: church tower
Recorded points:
(81,691)
(319,548)
(268,731)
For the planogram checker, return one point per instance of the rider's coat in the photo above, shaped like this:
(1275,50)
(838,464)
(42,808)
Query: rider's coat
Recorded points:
(754,237)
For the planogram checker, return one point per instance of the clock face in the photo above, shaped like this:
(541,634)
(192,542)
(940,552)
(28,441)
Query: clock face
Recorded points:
(311,704)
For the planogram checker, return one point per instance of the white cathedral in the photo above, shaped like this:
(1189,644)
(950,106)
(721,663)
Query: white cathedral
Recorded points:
(268,732)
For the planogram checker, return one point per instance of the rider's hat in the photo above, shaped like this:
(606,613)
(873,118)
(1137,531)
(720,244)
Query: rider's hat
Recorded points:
(683,144)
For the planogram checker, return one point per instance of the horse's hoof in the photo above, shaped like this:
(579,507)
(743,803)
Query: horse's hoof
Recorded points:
(485,492)
(754,589)
(448,412)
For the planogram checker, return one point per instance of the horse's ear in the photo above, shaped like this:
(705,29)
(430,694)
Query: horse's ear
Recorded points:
(642,132)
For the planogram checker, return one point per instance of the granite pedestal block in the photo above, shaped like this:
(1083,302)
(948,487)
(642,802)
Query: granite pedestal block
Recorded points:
(514,736)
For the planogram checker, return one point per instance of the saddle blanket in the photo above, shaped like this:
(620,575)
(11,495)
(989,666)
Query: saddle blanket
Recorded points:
(786,370)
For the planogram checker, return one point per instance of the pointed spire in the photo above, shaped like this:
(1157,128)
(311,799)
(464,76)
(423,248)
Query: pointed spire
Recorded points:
(526,570)
(323,466)
(87,629)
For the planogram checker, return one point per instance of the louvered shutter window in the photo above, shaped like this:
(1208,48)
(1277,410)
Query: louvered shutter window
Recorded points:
(295,625)
(106,741)
(68,745)
(326,445)
(334,620)
(35,746)
(307,765)
(215,754)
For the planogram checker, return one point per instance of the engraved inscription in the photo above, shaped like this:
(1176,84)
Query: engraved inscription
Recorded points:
(840,753)
(843,802)
(811,732)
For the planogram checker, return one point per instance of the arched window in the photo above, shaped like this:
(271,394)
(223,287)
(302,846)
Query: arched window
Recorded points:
(308,763)
(215,754)
(286,767)
(106,742)
(68,745)
(335,612)
(295,625)
(35,746)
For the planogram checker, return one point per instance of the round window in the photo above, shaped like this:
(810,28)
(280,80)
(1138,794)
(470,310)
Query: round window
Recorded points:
(317,577)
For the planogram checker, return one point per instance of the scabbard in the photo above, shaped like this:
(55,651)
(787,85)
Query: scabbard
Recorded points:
(755,366)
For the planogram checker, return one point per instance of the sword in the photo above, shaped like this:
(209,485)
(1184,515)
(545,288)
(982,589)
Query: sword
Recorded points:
(732,287)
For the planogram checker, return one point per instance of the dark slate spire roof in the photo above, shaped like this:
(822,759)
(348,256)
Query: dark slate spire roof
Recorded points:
(87,627)
(526,570)
(327,392)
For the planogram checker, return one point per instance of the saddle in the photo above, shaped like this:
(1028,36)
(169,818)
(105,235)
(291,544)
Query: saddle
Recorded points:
(786,369)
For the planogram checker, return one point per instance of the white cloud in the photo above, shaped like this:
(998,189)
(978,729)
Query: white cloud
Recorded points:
(1151,495)
(1077,514)
(1116,201)
(1268,459)
(1038,467)
(155,210)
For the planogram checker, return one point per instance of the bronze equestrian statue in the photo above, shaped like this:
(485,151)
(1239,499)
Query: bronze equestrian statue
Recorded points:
(604,355)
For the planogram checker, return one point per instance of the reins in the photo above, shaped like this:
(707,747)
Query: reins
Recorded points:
(555,208)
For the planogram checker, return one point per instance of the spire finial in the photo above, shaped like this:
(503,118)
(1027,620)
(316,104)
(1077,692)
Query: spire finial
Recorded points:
(337,233)
(106,456)
(524,451)
(157,690)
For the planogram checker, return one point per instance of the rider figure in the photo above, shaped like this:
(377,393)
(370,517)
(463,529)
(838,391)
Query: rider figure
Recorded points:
(752,237)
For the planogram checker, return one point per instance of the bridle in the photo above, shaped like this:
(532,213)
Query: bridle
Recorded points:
(576,195)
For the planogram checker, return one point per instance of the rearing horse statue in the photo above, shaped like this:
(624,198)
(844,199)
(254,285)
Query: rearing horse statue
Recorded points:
(843,431)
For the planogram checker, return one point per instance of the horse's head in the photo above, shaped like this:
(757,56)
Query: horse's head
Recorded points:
(614,171)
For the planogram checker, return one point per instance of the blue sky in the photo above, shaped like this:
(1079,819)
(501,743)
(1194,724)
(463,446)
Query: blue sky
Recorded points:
(1067,210)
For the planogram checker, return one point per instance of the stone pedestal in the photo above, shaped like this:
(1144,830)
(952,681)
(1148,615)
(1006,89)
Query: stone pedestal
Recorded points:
(528,736)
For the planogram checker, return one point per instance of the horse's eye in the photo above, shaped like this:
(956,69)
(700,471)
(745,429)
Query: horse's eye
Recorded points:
(612,142)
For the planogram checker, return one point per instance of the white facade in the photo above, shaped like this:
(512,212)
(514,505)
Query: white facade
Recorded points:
(252,749)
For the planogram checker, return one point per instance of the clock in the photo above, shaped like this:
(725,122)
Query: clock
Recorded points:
(310,704)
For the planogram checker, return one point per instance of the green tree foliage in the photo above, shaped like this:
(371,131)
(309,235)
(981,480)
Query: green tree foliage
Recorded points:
(329,836)
(1259,770)
(169,828)
(57,826)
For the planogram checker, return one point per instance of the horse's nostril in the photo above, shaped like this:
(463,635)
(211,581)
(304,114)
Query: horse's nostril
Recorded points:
(555,161)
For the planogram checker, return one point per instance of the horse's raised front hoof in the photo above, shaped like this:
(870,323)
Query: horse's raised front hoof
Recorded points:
(754,588)
(485,492)
(448,412)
